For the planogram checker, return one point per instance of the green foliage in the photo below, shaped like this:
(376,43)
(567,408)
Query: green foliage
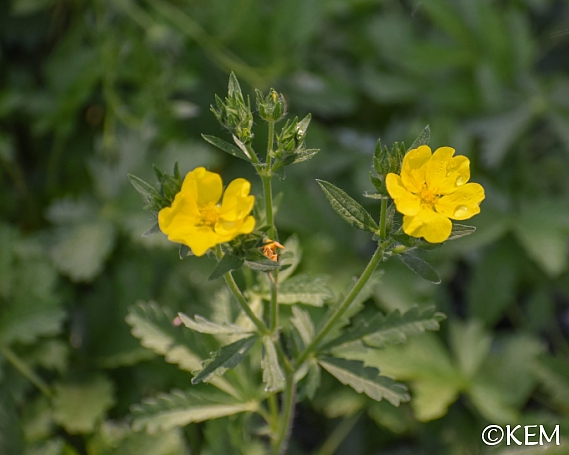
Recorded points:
(365,379)
(91,92)
(350,210)
(179,408)
(95,395)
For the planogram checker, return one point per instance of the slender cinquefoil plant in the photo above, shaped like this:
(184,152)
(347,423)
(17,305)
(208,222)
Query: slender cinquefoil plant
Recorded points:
(286,356)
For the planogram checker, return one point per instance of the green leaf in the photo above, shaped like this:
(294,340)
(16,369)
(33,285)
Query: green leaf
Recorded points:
(80,251)
(394,328)
(178,408)
(153,326)
(184,251)
(553,373)
(33,309)
(290,257)
(303,324)
(350,210)
(365,379)
(492,287)
(203,325)
(147,191)
(420,267)
(470,344)
(80,406)
(273,376)
(308,385)
(303,289)
(543,230)
(226,147)
(228,263)
(460,230)
(229,356)
(422,139)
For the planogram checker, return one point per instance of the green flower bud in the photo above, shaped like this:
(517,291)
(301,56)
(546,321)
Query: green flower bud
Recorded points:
(272,107)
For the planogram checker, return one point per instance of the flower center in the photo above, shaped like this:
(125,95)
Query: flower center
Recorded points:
(427,197)
(209,215)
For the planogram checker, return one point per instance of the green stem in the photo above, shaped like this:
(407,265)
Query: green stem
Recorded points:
(274,410)
(343,307)
(273,306)
(232,285)
(228,277)
(285,422)
(25,370)
(383,219)
(268,194)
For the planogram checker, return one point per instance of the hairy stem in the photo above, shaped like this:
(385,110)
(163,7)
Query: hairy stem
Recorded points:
(343,307)
(287,416)
(383,219)
(273,306)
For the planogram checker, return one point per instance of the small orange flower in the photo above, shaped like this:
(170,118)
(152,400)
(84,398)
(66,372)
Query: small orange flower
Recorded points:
(270,250)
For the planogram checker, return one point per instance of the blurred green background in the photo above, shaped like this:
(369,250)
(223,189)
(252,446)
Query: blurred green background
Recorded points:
(93,90)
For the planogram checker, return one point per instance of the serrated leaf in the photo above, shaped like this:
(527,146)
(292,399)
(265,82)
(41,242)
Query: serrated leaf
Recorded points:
(153,326)
(304,289)
(228,263)
(460,230)
(420,267)
(304,155)
(263,265)
(227,357)
(394,328)
(365,379)
(203,325)
(273,376)
(226,147)
(79,251)
(350,210)
(168,411)
(422,139)
(79,406)
(147,191)
(303,324)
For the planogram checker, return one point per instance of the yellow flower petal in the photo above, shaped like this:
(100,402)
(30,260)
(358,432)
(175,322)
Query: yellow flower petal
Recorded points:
(182,212)
(444,174)
(206,187)
(406,202)
(432,226)
(463,203)
(202,241)
(414,167)
(236,202)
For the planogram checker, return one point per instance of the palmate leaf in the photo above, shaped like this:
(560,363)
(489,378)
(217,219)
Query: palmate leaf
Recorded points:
(350,210)
(180,408)
(365,379)
(391,329)
(303,289)
(228,356)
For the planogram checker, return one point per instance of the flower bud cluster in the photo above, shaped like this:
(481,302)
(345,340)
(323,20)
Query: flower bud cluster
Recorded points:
(272,107)
(386,161)
(234,114)
(163,196)
(291,145)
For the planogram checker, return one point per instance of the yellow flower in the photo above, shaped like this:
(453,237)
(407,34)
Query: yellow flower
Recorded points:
(431,189)
(196,218)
